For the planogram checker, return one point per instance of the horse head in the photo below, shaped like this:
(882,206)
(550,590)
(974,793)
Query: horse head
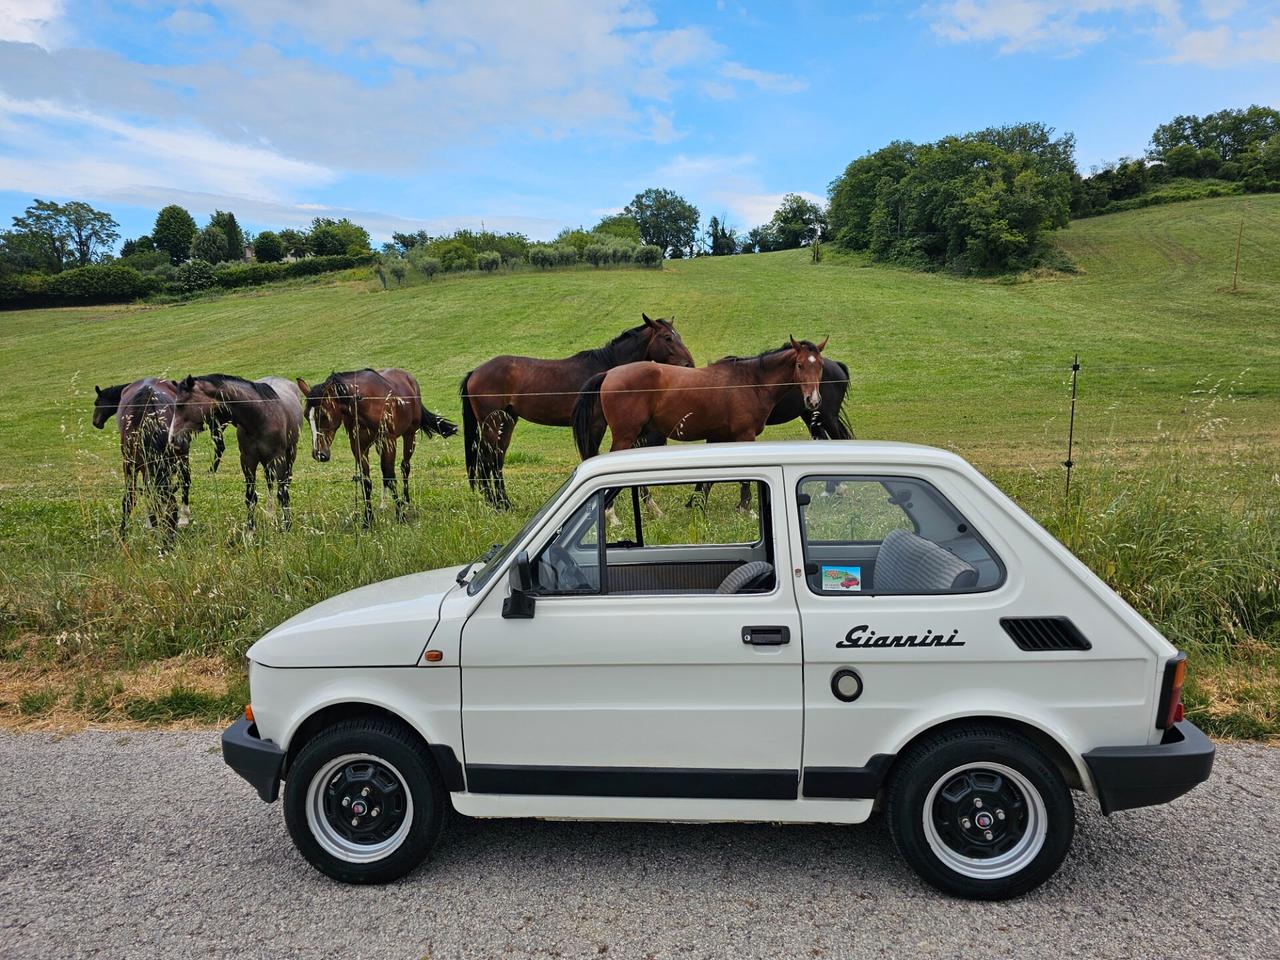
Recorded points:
(665,345)
(106,403)
(325,410)
(808,370)
(195,406)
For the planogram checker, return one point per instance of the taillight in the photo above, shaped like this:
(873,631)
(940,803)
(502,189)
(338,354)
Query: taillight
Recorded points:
(1175,673)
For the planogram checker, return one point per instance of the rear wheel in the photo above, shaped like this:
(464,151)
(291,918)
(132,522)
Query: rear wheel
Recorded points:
(980,813)
(364,802)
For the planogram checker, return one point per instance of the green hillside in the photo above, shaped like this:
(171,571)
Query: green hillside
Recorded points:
(978,366)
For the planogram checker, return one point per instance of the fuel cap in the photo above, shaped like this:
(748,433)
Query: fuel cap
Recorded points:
(846,685)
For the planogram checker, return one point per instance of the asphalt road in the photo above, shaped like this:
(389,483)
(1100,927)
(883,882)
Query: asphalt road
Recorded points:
(143,845)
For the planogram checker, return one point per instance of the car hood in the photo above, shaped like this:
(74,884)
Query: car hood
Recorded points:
(382,624)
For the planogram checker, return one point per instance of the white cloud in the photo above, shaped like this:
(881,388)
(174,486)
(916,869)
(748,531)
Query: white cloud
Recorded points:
(1061,25)
(1225,46)
(724,184)
(770,82)
(1221,9)
(30,21)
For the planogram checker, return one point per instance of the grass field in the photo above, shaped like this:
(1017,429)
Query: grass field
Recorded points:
(1177,439)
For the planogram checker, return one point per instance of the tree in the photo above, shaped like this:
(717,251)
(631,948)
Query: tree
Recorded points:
(209,245)
(142,244)
(173,232)
(226,222)
(796,222)
(67,234)
(664,219)
(618,225)
(722,241)
(407,241)
(1229,133)
(334,237)
(268,247)
(295,243)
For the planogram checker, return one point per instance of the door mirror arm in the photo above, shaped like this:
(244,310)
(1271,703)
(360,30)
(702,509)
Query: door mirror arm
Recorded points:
(519,602)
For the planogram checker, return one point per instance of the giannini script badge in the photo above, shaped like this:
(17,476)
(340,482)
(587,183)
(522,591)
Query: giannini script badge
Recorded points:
(863,636)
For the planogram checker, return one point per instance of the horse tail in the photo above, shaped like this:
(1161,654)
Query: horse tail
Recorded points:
(842,429)
(470,433)
(434,425)
(584,417)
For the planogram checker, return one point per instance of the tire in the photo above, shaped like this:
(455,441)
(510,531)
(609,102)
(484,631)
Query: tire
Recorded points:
(379,771)
(980,813)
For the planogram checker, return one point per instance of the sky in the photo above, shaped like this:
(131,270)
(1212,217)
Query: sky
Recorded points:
(436,114)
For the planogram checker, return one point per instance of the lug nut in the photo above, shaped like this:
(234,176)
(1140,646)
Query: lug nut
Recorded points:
(977,801)
(987,834)
(964,822)
(346,801)
(365,793)
(999,814)
(355,821)
(375,812)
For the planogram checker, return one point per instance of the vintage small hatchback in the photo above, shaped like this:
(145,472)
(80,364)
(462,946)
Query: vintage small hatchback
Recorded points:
(882,629)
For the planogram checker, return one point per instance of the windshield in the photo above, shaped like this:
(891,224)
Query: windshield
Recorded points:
(486,572)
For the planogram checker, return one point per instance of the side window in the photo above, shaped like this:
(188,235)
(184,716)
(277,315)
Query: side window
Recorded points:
(570,562)
(889,535)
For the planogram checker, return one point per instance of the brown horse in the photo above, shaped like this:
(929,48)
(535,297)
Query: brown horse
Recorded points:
(266,414)
(725,401)
(500,391)
(374,406)
(144,411)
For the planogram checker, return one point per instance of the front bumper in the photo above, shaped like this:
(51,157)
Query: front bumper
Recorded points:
(258,761)
(1129,777)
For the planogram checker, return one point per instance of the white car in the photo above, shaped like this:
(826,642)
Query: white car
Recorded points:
(884,629)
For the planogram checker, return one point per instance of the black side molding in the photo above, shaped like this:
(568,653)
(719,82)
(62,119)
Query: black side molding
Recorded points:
(679,782)
(1128,777)
(1045,634)
(450,769)
(847,783)
(257,760)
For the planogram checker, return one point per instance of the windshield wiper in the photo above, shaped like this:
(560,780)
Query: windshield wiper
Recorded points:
(485,557)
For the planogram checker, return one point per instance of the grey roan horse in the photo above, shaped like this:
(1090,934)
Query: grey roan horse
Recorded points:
(267,415)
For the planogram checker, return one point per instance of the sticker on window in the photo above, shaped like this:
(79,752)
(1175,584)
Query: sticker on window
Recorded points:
(841,579)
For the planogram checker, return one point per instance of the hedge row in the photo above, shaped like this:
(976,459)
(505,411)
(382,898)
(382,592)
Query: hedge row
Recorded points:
(117,283)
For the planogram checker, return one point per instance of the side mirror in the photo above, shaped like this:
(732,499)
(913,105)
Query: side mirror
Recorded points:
(519,603)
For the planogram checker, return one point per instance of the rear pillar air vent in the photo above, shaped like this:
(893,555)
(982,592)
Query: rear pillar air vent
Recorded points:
(1041,634)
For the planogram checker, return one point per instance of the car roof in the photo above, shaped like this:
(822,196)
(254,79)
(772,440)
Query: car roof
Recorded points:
(825,454)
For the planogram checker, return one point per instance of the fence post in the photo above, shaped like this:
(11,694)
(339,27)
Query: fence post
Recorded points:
(1071,430)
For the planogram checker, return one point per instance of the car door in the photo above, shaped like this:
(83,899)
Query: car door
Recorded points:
(656,693)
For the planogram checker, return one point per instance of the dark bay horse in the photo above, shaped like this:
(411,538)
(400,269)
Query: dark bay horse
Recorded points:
(500,391)
(144,411)
(722,402)
(374,406)
(267,415)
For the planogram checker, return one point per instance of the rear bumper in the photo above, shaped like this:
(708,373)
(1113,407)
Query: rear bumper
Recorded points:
(1129,777)
(258,761)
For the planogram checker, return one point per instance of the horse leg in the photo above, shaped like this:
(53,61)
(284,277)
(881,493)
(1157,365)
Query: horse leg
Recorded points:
(410,441)
(284,476)
(744,496)
(130,496)
(166,498)
(495,437)
(504,501)
(387,460)
(361,452)
(184,471)
(219,444)
(701,493)
(250,469)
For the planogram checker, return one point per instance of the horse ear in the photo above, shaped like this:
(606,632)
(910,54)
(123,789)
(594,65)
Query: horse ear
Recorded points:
(823,343)
(189,383)
(794,344)
(97,390)
(302,385)
(671,321)
(645,318)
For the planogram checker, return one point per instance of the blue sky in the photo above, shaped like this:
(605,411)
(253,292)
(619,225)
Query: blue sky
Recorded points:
(531,116)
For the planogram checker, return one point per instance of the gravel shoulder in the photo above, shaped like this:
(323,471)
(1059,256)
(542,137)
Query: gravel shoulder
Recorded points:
(142,844)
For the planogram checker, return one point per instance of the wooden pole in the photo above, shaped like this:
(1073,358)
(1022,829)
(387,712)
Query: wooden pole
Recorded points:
(1071,429)
(1236,273)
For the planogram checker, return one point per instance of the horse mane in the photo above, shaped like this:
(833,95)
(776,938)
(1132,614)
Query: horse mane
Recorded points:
(110,394)
(263,390)
(336,380)
(608,354)
(760,357)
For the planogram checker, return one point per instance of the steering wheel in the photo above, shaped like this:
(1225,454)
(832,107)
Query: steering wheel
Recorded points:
(569,577)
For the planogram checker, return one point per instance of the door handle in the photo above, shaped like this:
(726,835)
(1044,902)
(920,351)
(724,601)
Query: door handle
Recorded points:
(766,636)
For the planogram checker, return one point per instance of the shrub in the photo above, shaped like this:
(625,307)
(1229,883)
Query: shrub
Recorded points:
(98,283)
(21,289)
(268,247)
(194,275)
(454,255)
(489,261)
(210,245)
(429,266)
(566,255)
(398,268)
(145,261)
(622,252)
(596,254)
(248,274)
(648,256)
(542,256)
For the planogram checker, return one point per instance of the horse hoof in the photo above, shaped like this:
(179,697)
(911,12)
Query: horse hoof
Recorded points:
(184,517)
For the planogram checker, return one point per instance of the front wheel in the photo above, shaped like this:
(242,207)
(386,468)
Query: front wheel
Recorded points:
(364,802)
(981,813)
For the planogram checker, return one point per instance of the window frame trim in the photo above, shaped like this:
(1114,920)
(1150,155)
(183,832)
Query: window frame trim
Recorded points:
(880,477)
